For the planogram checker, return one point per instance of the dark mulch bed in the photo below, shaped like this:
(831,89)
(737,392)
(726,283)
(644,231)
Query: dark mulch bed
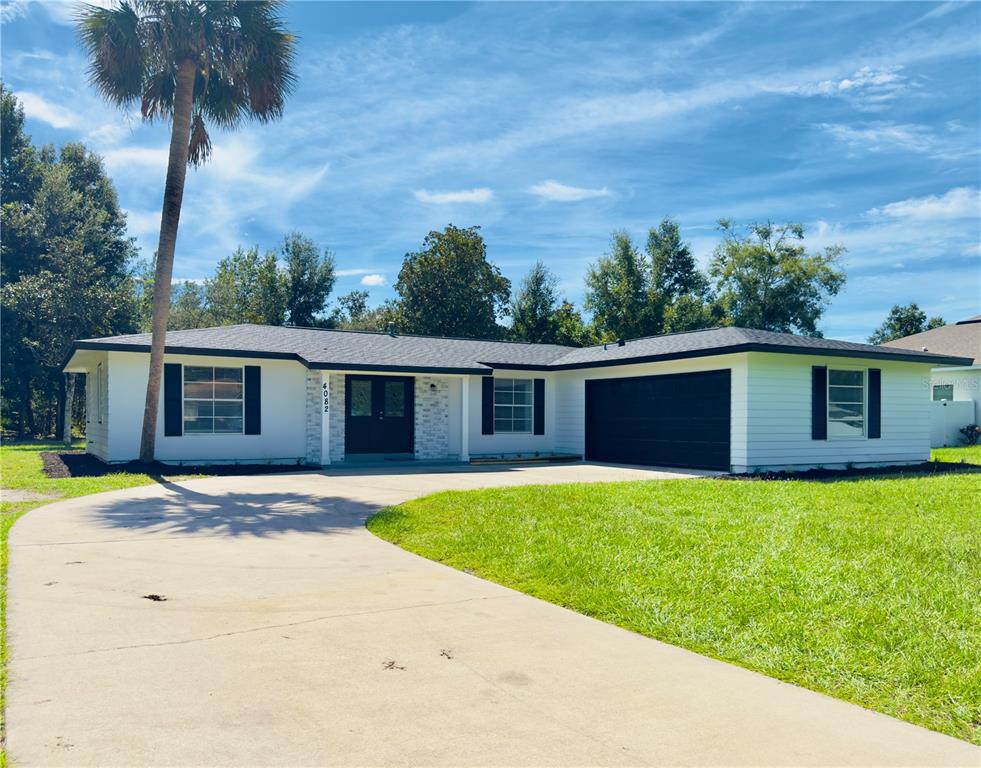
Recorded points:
(926,468)
(81,464)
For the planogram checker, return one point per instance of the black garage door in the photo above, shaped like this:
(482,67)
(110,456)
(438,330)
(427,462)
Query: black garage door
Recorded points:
(676,420)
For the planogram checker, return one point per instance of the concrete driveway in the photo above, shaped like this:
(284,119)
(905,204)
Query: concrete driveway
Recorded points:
(292,636)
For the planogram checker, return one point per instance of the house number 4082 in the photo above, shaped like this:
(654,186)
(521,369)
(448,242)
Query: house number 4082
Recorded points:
(326,398)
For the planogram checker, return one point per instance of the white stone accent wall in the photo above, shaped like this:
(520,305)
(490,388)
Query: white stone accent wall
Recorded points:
(336,417)
(432,418)
(314,409)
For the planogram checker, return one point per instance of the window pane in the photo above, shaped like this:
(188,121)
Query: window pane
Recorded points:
(228,391)
(228,374)
(226,425)
(522,385)
(199,425)
(503,385)
(199,389)
(502,425)
(394,398)
(197,408)
(503,397)
(943,392)
(845,411)
(846,428)
(198,373)
(228,409)
(503,411)
(522,397)
(847,378)
(845,394)
(522,425)
(360,397)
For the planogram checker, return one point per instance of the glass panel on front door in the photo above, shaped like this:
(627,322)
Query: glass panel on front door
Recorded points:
(360,397)
(394,398)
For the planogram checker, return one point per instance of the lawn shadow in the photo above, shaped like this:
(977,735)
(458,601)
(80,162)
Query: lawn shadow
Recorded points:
(184,511)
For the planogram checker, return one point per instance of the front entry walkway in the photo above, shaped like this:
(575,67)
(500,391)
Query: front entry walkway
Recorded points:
(255,621)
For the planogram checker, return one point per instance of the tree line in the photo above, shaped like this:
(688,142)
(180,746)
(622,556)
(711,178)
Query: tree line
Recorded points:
(69,270)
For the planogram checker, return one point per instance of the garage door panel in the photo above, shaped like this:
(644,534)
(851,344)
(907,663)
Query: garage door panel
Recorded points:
(675,420)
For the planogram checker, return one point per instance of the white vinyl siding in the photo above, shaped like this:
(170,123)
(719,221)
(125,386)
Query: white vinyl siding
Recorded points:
(779,415)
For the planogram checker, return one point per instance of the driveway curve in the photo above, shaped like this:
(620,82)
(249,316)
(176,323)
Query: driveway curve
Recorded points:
(288,635)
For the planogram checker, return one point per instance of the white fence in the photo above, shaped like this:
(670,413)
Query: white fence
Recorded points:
(946,419)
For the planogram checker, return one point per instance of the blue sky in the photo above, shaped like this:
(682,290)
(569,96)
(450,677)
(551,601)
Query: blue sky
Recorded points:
(553,125)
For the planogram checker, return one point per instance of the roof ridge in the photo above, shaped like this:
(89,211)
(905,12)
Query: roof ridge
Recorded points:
(386,333)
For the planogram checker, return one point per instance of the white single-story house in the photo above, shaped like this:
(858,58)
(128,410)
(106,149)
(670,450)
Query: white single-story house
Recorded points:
(955,391)
(725,398)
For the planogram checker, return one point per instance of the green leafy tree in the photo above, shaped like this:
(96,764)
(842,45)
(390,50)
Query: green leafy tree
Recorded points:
(766,279)
(194,63)
(65,269)
(618,292)
(674,272)
(246,288)
(449,288)
(353,313)
(534,307)
(570,329)
(188,308)
(308,280)
(902,321)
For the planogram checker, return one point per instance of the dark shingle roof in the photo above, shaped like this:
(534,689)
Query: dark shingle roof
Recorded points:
(352,350)
(962,339)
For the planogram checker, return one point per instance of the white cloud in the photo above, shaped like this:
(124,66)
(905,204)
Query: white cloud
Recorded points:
(879,136)
(39,108)
(562,193)
(136,160)
(352,272)
(66,13)
(143,223)
(476,195)
(12,9)
(867,88)
(972,250)
(373,280)
(958,203)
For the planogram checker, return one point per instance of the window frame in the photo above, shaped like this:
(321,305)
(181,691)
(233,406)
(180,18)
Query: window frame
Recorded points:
(865,403)
(530,406)
(933,393)
(212,400)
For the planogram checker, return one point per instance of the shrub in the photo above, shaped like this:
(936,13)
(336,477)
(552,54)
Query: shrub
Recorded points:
(972,433)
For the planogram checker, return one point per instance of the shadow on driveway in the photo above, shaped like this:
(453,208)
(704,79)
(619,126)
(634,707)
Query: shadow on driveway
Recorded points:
(233,514)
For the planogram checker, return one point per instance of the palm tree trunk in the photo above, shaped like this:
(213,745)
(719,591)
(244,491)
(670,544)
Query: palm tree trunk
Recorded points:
(180,136)
(69,397)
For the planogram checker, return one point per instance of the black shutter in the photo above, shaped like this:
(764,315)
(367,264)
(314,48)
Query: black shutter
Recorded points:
(173,400)
(875,403)
(819,403)
(253,400)
(539,406)
(487,406)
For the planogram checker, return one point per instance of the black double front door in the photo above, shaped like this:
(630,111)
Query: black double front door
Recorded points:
(379,414)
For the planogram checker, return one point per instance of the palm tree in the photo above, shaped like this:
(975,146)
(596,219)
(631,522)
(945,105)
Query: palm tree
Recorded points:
(196,63)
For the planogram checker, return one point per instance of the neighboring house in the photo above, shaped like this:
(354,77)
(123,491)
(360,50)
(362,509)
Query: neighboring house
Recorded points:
(952,388)
(725,398)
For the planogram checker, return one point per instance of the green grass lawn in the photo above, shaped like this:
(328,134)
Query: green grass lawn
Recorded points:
(969,454)
(21,469)
(866,590)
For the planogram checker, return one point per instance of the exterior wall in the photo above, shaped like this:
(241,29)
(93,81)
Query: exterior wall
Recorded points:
(283,437)
(336,416)
(432,418)
(570,417)
(491,445)
(947,417)
(967,386)
(779,415)
(313,417)
(96,428)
